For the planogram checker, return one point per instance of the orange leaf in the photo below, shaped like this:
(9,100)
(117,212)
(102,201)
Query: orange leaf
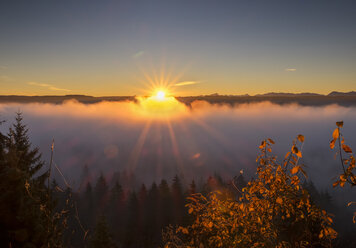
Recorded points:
(301,138)
(339,123)
(263,144)
(295,169)
(271,141)
(299,154)
(241,206)
(346,148)
(332,144)
(336,133)
(294,149)
(279,200)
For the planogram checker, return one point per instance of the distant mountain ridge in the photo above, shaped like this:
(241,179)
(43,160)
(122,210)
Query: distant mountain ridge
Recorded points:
(337,93)
(289,94)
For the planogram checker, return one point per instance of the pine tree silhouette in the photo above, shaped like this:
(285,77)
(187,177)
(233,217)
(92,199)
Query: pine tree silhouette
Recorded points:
(26,212)
(102,237)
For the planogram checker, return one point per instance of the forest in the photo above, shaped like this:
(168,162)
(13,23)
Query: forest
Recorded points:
(278,207)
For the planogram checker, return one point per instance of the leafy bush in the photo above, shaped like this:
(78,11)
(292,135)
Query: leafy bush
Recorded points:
(272,211)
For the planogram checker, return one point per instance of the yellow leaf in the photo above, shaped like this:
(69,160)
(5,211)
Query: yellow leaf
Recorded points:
(279,200)
(336,133)
(301,138)
(339,123)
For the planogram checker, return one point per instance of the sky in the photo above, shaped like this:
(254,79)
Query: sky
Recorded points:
(104,48)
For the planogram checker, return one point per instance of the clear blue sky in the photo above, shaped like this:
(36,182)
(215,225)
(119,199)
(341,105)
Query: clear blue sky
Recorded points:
(230,47)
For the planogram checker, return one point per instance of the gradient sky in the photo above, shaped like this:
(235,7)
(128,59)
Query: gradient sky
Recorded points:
(230,47)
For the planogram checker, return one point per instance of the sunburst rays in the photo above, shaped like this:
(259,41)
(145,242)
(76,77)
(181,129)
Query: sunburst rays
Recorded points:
(161,108)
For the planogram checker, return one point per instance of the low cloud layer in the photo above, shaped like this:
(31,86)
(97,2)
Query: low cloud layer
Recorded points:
(116,136)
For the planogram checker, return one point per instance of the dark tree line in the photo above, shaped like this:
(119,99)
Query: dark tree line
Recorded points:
(133,218)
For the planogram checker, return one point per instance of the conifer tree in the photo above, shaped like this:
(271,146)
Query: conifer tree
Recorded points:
(85,177)
(27,212)
(142,217)
(101,193)
(20,151)
(152,227)
(132,221)
(102,237)
(87,206)
(165,204)
(116,210)
(2,146)
(192,188)
(178,201)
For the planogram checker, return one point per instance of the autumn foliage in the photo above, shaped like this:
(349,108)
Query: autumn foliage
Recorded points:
(347,160)
(273,210)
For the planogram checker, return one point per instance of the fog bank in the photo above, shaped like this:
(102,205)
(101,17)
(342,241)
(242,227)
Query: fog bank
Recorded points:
(191,142)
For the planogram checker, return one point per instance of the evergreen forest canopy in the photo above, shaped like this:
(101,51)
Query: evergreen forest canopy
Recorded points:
(279,207)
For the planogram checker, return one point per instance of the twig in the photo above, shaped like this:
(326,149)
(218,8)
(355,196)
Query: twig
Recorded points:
(79,222)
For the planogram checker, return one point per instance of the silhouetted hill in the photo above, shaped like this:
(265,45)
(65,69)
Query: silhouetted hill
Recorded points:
(336,93)
(303,99)
(289,94)
(61,99)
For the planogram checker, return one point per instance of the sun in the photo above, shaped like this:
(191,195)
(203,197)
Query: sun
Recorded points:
(160,95)
(160,105)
